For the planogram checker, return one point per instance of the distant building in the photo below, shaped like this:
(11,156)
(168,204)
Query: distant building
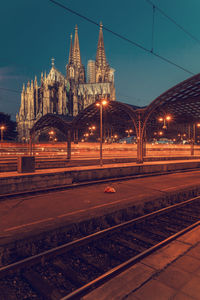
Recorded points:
(91,76)
(68,95)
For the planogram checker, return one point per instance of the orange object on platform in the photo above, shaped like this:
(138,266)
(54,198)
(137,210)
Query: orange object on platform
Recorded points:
(109,189)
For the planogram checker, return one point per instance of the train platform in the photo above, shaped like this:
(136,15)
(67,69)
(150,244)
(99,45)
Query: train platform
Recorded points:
(14,182)
(171,273)
(30,220)
(26,217)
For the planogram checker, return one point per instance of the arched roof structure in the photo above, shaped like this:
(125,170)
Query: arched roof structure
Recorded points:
(114,113)
(60,122)
(182,101)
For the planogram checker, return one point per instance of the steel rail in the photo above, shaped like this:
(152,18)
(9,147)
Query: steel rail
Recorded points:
(122,267)
(45,255)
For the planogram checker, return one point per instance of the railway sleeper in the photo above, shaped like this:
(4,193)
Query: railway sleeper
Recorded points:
(124,243)
(188,216)
(172,223)
(186,219)
(190,212)
(142,237)
(91,260)
(120,257)
(41,286)
(69,273)
(138,245)
(154,230)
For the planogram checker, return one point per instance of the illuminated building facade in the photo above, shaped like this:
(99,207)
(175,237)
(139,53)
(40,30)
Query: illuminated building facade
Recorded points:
(66,95)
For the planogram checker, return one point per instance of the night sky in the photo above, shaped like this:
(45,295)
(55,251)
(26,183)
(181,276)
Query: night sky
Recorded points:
(32,32)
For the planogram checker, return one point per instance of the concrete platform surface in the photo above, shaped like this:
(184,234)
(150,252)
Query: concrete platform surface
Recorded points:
(23,216)
(27,216)
(171,273)
(13,182)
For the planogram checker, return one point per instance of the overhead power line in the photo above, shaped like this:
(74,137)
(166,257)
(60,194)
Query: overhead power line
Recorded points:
(121,37)
(174,22)
(152,35)
(9,90)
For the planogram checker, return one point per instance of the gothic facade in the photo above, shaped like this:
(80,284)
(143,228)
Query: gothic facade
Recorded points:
(66,95)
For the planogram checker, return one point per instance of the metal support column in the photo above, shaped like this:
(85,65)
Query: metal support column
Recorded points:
(30,145)
(193,139)
(69,144)
(139,142)
(101,137)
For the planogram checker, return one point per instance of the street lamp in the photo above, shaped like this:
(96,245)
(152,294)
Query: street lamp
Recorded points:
(165,119)
(91,129)
(51,134)
(129,131)
(100,104)
(2,129)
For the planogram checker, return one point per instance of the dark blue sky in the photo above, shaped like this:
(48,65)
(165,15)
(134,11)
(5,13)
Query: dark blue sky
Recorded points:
(32,32)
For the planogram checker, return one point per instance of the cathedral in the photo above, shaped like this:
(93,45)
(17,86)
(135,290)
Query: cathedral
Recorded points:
(66,95)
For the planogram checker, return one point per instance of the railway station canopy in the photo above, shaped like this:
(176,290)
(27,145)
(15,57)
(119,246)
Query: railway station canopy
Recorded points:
(181,101)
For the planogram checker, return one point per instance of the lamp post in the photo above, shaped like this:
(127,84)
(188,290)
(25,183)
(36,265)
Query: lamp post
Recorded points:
(194,137)
(2,129)
(129,131)
(51,134)
(100,104)
(165,119)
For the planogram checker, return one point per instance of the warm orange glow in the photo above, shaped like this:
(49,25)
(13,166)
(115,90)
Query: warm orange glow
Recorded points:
(2,127)
(168,118)
(103,102)
(51,132)
(93,127)
(160,133)
(198,124)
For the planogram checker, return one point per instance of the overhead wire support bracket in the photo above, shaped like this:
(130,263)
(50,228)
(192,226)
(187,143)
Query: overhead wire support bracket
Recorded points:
(121,36)
(152,34)
(173,21)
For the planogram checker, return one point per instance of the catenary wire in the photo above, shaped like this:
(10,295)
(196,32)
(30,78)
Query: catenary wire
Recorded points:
(173,21)
(121,36)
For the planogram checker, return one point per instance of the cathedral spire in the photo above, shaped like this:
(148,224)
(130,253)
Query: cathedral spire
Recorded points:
(53,62)
(100,56)
(35,81)
(71,51)
(76,49)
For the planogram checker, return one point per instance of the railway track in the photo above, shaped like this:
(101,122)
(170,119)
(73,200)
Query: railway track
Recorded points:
(73,269)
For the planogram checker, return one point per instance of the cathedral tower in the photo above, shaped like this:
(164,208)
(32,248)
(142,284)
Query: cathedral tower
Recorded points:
(74,69)
(66,95)
(102,67)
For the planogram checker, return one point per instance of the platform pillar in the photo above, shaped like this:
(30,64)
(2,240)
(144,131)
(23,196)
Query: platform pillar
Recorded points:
(69,144)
